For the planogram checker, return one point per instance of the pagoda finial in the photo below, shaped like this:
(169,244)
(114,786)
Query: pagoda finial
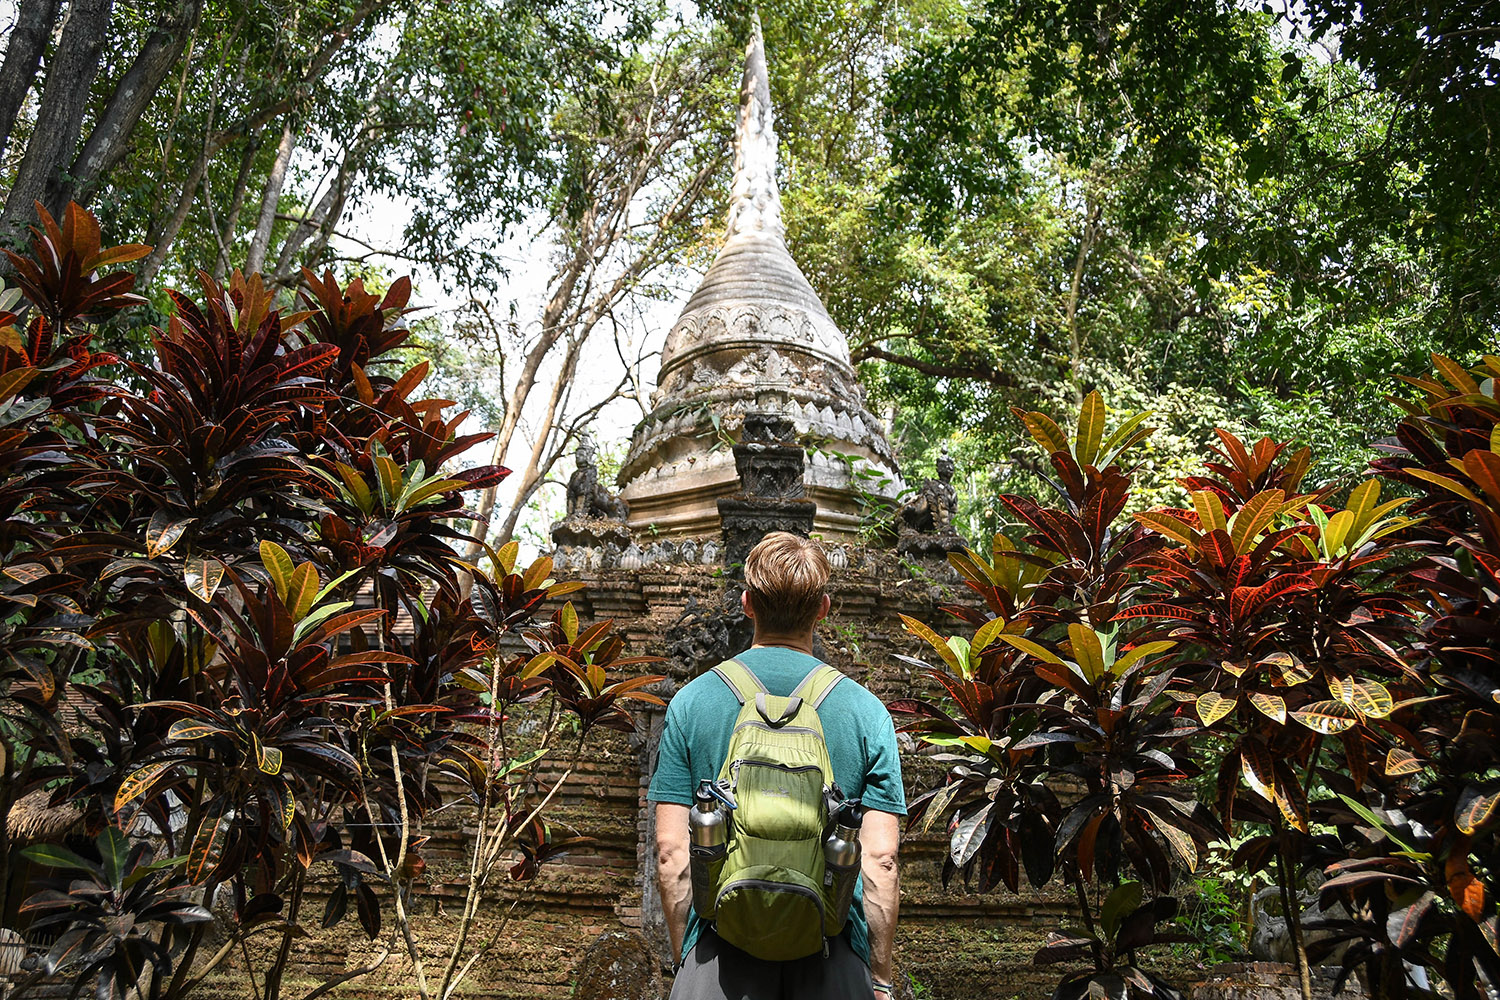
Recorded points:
(755,201)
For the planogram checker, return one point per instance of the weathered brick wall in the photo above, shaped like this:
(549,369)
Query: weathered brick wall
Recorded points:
(958,946)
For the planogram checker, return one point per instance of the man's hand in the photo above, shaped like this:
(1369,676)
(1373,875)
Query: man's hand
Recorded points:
(880,838)
(672,878)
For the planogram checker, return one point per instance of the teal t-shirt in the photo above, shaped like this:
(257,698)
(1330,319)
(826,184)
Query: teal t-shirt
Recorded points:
(857,727)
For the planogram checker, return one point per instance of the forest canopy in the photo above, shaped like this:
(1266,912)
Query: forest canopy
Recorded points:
(1226,213)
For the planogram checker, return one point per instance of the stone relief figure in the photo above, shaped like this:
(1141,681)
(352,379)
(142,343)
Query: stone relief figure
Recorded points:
(924,525)
(587,498)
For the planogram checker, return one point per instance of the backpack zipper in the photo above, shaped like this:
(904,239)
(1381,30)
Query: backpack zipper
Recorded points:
(734,769)
(769,886)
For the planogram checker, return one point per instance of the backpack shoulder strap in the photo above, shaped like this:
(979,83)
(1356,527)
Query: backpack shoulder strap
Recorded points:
(740,679)
(818,684)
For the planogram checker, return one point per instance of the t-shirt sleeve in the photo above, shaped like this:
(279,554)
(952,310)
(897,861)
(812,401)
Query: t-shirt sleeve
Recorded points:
(672,781)
(883,788)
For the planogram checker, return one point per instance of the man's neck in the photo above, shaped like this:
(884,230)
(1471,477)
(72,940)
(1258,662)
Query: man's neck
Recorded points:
(801,643)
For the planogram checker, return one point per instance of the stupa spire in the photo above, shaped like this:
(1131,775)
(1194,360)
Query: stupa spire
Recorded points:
(753,340)
(754,199)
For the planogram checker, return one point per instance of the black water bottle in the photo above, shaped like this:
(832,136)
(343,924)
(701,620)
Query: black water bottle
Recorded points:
(841,853)
(708,827)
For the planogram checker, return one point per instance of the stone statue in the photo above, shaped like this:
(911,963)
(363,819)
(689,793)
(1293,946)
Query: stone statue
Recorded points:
(593,533)
(586,497)
(924,525)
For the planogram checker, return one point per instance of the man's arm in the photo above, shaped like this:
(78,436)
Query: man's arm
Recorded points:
(672,879)
(880,838)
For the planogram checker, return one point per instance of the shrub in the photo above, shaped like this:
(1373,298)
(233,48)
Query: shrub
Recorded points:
(238,634)
(1329,664)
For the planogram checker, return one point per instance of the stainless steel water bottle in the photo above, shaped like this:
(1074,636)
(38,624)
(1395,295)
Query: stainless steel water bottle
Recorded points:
(841,853)
(708,827)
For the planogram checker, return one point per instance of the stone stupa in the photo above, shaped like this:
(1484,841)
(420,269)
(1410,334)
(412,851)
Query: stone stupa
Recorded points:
(753,339)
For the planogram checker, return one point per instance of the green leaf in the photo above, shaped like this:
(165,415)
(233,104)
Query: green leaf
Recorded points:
(960,647)
(56,856)
(1364,813)
(1122,901)
(114,849)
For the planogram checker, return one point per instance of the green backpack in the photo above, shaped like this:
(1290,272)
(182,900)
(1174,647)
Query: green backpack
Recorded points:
(771,897)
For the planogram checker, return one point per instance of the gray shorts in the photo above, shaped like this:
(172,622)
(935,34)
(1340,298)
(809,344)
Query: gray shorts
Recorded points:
(719,971)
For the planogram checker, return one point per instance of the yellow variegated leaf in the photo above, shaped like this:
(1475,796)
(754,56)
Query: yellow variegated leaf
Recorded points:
(1210,511)
(537,664)
(278,566)
(1235,668)
(937,642)
(1165,524)
(986,634)
(302,590)
(140,781)
(1289,667)
(1259,770)
(1371,698)
(1253,518)
(1398,761)
(1090,428)
(569,621)
(268,759)
(1213,706)
(202,576)
(1446,482)
(1046,432)
(1025,645)
(1341,688)
(1088,651)
(505,557)
(1141,652)
(1327,717)
(1270,705)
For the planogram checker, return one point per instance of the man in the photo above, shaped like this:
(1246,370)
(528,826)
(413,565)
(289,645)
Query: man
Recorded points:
(786,580)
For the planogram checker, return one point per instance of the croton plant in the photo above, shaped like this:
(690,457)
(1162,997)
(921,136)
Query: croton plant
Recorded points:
(239,642)
(1305,676)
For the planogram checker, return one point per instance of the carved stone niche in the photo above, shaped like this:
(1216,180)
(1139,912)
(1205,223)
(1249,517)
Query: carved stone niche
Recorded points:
(770,465)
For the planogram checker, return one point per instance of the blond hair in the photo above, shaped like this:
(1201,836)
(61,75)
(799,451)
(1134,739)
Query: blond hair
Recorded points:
(786,576)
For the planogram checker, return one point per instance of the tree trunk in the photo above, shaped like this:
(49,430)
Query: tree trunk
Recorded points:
(222,262)
(161,237)
(323,218)
(34,23)
(260,243)
(110,138)
(60,115)
(1086,242)
(1291,905)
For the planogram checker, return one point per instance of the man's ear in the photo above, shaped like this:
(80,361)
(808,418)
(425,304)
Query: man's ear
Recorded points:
(825,608)
(747,605)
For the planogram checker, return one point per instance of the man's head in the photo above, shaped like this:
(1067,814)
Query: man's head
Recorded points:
(786,582)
